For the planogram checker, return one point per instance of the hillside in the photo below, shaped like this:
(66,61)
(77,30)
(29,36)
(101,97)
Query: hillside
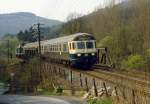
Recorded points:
(14,22)
(123,28)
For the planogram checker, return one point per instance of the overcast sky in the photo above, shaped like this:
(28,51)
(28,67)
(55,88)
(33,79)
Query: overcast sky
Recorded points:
(52,9)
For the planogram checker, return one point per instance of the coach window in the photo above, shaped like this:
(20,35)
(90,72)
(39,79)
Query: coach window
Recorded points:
(54,48)
(42,48)
(45,48)
(64,47)
(60,47)
(57,47)
(70,46)
(51,47)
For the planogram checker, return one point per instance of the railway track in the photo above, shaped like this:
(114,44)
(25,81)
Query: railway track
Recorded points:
(115,78)
(123,80)
(133,79)
(131,73)
(136,74)
(120,79)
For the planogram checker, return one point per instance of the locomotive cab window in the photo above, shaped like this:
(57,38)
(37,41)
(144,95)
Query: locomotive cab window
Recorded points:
(89,45)
(81,45)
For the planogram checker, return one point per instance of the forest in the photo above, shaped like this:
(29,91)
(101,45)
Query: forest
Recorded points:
(123,28)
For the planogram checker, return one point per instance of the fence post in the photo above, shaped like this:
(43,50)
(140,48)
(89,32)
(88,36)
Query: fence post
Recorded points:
(59,71)
(124,95)
(133,99)
(47,68)
(81,80)
(95,88)
(72,85)
(105,89)
(116,93)
(64,74)
(55,71)
(86,83)
(71,76)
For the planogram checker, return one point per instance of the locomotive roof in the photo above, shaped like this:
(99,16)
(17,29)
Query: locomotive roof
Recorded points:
(63,39)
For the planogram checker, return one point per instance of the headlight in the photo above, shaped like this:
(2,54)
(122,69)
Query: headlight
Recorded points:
(93,54)
(79,54)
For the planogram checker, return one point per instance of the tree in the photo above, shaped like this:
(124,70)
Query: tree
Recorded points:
(26,36)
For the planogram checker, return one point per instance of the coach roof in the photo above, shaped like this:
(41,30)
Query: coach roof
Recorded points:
(65,39)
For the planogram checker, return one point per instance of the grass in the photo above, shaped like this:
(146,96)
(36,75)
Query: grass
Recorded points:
(100,101)
(50,93)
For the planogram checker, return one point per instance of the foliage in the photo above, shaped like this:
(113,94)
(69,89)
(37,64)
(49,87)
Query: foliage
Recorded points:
(123,28)
(100,101)
(13,43)
(26,36)
(50,93)
(105,42)
(133,62)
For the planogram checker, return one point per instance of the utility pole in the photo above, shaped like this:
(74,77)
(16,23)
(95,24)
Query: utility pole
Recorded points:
(39,42)
(39,36)
(8,51)
(39,39)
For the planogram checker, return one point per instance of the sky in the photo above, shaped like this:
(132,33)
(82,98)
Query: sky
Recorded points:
(52,9)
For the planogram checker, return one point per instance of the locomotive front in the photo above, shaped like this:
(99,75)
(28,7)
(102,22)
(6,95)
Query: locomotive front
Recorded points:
(20,51)
(83,51)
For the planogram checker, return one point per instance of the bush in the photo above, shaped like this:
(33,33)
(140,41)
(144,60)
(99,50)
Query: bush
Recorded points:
(133,62)
(105,42)
(100,101)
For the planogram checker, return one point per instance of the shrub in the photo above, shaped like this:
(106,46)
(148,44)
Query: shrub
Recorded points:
(100,101)
(133,62)
(105,42)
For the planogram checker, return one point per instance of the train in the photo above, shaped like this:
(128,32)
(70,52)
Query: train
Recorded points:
(77,50)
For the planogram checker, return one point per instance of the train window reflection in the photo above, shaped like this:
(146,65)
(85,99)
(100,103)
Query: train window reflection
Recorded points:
(89,45)
(64,47)
(81,45)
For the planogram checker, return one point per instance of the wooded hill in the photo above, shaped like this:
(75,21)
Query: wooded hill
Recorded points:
(123,28)
(12,23)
